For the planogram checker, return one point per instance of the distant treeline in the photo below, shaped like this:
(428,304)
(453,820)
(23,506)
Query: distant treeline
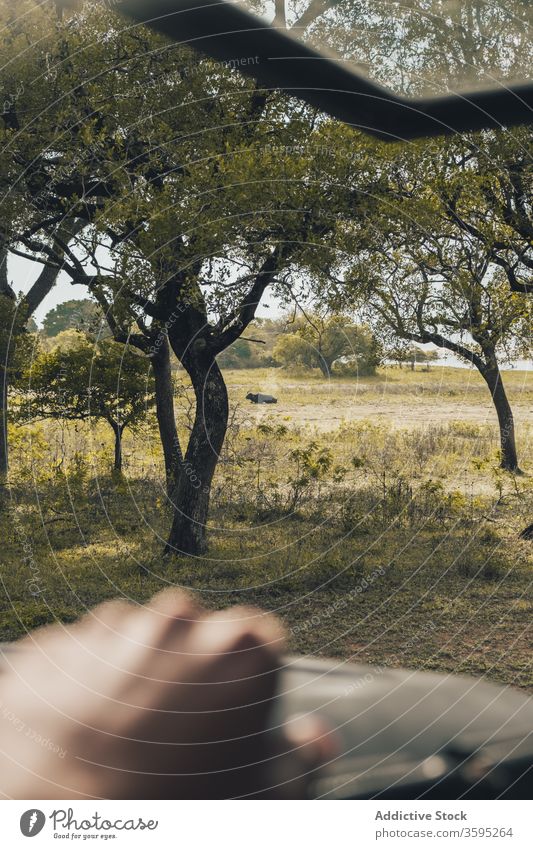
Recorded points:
(334,344)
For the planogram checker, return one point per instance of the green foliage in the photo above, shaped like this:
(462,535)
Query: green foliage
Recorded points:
(324,343)
(66,340)
(243,355)
(167,162)
(88,383)
(291,350)
(82,315)
(311,465)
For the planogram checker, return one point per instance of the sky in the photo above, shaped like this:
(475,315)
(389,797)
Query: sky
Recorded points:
(22,274)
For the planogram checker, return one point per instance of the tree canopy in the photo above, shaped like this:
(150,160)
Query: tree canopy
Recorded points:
(178,192)
(106,382)
(316,341)
(73,315)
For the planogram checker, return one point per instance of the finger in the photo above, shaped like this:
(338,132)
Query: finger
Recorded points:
(109,614)
(164,622)
(239,631)
(174,602)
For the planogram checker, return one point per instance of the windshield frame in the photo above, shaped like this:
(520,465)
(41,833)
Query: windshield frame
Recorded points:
(222,30)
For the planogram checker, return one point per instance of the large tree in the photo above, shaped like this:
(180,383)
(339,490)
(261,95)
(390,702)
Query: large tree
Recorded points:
(63,152)
(182,160)
(429,276)
(465,308)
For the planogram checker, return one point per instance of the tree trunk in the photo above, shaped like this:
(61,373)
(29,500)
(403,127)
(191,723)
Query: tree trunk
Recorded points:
(493,379)
(325,366)
(192,496)
(3,430)
(168,432)
(118,430)
(7,301)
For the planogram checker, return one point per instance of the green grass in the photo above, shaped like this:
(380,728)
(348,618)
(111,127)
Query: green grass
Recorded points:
(402,549)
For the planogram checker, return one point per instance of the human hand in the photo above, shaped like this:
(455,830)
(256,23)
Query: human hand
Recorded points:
(161,701)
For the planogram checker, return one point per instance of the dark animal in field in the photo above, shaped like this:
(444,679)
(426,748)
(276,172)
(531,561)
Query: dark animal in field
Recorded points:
(259,398)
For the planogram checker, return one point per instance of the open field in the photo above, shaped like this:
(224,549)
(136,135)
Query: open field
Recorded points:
(397,397)
(370,515)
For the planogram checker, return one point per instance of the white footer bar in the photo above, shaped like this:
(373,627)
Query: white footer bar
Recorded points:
(267,825)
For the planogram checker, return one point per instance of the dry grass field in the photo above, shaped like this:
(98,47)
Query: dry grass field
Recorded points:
(370,515)
(398,397)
